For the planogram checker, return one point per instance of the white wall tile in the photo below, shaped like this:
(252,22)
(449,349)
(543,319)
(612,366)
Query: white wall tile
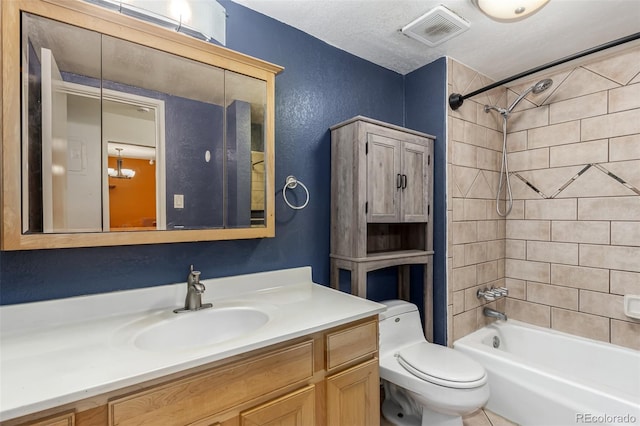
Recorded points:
(623,98)
(623,282)
(625,234)
(624,148)
(529,160)
(488,229)
(474,134)
(529,119)
(495,249)
(576,108)
(516,141)
(556,134)
(595,232)
(595,183)
(621,68)
(528,271)
(581,324)
(488,159)
(580,277)
(604,304)
(580,82)
(464,155)
(475,209)
(516,249)
(624,333)
(579,153)
(609,208)
(517,288)
(612,257)
(611,125)
(549,181)
(475,253)
(539,230)
(533,313)
(542,251)
(551,209)
(487,272)
(463,232)
(552,295)
(629,171)
(463,278)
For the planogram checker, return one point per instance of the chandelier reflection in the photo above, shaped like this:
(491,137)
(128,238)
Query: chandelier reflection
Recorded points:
(119,172)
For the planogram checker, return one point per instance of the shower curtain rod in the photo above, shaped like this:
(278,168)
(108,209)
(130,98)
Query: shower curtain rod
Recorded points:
(456,99)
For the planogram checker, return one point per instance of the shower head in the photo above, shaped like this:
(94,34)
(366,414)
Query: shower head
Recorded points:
(542,85)
(539,87)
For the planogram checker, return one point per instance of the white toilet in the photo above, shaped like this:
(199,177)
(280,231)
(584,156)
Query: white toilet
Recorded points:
(424,383)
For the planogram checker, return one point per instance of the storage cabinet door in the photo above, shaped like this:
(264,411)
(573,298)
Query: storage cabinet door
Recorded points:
(414,183)
(294,409)
(353,396)
(383,179)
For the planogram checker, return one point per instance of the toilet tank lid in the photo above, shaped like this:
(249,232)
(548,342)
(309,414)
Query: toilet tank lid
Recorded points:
(397,307)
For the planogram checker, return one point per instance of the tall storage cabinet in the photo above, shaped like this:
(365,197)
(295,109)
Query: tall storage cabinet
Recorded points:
(381,202)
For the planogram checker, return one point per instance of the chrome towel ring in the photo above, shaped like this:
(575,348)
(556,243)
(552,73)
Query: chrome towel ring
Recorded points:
(291,183)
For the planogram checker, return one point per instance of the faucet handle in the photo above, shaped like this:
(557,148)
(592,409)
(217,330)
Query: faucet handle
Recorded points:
(486,295)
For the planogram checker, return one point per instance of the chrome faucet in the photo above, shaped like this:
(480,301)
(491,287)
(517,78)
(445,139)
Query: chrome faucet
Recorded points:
(492,313)
(195,289)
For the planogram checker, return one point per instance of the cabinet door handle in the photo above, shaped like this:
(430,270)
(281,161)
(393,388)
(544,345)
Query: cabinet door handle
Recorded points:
(404,181)
(398,181)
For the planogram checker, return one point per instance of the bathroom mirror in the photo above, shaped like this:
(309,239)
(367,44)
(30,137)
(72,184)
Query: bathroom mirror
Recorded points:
(126,133)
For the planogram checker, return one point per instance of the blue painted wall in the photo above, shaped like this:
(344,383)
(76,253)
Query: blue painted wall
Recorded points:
(319,87)
(425,104)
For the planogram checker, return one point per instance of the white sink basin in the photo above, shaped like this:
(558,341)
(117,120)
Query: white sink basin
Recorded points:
(200,328)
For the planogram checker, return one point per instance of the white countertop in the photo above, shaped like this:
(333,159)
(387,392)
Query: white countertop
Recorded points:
(56,352)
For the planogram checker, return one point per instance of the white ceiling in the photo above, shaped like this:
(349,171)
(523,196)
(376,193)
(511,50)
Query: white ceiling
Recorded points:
(370,29)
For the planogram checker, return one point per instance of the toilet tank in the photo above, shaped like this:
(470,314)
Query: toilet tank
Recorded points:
(400,325)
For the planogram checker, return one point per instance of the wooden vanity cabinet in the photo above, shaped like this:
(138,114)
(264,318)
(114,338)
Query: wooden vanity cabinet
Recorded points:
(327,378)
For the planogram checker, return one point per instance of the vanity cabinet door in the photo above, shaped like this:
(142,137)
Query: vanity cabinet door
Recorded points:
(202,396)
(294,409)
(67,419)
(353,396)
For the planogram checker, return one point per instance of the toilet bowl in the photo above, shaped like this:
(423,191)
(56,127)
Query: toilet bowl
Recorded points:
(424,383)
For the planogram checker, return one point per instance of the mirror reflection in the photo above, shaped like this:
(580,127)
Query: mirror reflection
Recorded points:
(122,137)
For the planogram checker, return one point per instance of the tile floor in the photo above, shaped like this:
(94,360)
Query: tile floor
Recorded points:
(479,418)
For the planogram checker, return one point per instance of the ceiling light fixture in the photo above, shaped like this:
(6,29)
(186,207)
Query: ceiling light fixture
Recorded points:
(203,19)
(509,10)
(120,173)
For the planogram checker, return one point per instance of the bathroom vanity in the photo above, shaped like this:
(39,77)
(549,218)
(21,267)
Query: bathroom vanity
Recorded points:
(126,359)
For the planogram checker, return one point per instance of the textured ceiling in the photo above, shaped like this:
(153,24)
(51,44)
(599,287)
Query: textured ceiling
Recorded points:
(370,29)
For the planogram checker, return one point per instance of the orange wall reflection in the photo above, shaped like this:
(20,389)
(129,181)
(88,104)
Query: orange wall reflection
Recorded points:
(132,202)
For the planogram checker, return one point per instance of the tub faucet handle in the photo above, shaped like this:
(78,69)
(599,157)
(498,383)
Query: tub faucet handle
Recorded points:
(486,295)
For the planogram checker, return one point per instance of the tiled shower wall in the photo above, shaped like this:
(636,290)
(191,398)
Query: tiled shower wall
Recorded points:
(476,234)
(570,249)
(573,237)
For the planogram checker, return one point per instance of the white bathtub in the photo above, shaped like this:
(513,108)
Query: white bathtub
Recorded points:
(539,376)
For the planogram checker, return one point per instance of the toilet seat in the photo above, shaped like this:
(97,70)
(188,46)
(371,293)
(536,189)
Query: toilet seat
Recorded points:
(441,366)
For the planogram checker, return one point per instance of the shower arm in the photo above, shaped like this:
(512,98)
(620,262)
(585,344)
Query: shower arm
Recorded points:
(456,100)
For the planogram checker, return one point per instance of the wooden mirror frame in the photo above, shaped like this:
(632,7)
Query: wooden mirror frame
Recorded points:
(85,15)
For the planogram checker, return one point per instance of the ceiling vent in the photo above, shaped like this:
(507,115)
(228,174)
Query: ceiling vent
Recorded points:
(436,26)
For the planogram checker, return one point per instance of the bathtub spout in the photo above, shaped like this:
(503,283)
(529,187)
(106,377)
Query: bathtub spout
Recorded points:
(492,313)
